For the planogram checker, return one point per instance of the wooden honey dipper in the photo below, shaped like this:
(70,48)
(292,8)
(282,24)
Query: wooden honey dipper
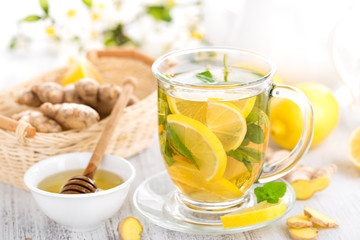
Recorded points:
(11,125)
(84,183)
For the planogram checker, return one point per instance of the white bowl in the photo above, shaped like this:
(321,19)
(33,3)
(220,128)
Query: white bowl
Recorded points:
(79,212)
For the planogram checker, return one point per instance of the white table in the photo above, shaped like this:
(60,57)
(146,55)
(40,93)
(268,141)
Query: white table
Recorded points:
(21,218)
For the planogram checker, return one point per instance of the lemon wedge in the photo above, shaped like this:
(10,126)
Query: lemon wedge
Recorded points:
(354,147)
(222,118)
(261,212)
(81,69)
(204,146)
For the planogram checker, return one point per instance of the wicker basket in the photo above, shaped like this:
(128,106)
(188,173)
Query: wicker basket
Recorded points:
(134,132)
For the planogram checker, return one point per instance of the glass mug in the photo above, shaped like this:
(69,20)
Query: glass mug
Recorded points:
(213,109)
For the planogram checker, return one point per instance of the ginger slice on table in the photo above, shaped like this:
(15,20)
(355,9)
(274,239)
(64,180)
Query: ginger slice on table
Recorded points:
(306,181)
(130,228)
(319,218)
(300,221)
(307,233)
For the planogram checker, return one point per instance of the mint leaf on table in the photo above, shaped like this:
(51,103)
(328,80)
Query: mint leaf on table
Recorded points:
(205,76)
(179,146)
(270,192)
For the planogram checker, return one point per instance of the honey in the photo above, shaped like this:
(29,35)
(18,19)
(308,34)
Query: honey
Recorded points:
(103,179)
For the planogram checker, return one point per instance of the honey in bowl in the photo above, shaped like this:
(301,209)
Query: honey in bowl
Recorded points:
(104,180)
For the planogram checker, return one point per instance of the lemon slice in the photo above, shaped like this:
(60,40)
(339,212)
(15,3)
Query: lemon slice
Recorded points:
(245,105)
(190,180)
(222,118)
(79,70)
(354,147)
(261,212)
(204,146)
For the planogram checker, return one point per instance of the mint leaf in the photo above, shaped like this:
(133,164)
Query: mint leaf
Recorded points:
(250,154)
(159,13)
(205,76)
(270,192)
(255,133)
(179,146)
(44,5)
(32,18)
(258,117)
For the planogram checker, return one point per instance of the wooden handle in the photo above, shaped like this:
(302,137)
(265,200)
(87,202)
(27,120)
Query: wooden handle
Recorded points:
(121,103)
(11,125)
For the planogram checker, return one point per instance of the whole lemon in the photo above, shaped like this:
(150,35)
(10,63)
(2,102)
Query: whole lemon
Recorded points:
(286,118)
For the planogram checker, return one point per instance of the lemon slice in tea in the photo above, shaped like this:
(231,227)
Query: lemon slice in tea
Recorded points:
(222,118)
(203,144)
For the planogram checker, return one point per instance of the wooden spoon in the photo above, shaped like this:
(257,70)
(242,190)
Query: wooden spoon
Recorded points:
(85,184)
(11,125)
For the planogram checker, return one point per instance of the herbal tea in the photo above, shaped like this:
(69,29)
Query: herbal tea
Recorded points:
(103,179)
(213,146)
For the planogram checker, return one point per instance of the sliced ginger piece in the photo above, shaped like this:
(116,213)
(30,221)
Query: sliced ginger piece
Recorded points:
(130,228)
(300,221)
(319,218)
(307,233)
(306,181)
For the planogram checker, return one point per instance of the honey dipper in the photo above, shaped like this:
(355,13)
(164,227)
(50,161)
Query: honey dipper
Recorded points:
(84,183)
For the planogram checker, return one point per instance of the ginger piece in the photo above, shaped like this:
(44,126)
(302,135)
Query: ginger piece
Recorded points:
(37,119)
(87,88)
(70,94)
(319,218)
(300,221)
(49,92)
(27,97)
(306,181)
(303,233)
(130,228)
(71,115)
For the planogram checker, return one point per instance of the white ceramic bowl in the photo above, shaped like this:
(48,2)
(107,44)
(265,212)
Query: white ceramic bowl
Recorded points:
(79,212)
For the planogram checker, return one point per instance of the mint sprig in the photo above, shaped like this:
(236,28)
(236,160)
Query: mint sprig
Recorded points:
(270,192)
(247,156)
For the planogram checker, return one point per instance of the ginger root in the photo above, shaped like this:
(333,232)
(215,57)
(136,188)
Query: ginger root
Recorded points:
(300,221)
(85,91)
(319,218)
(40,122)
(306,181)
(303,233)
(130,228)
(71,115)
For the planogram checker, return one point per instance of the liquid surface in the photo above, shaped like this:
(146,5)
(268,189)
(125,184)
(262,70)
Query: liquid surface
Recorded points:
(196,129)
(103,179)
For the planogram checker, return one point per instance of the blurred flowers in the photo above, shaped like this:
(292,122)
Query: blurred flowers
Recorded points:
(155,26)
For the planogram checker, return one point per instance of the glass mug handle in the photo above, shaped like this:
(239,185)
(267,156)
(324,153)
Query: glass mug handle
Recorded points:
(280,168)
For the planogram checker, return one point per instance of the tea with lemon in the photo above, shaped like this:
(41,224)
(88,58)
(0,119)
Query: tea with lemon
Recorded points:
(213,142)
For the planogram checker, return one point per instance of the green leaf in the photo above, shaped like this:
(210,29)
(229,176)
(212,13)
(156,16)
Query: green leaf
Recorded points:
(159,13)
(226,70)
(87,3)
(205,76)
(179,146)
(270,192)
(45,6)
(32,18)
(248,165)
(248,154)
(255,133)
(116,36)
(258,117)
(166,150)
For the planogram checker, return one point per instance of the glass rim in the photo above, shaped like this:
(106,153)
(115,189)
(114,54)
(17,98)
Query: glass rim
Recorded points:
(166,79)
